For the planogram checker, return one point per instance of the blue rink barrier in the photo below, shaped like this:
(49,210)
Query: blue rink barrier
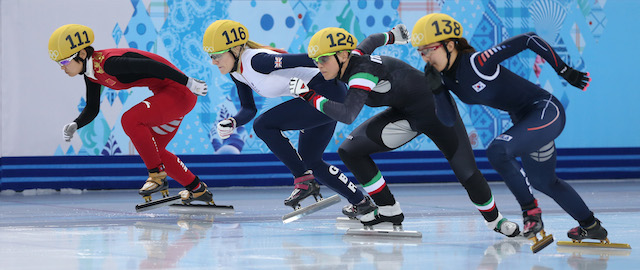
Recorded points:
(128,172)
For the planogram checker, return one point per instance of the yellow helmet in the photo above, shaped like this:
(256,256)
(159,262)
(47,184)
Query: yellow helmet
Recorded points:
(222,35)
(433,28)
(330,39)
(68,40)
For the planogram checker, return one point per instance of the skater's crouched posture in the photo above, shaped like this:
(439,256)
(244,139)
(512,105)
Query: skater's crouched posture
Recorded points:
(538,117)
(266,70)
(385,81)
(150,124)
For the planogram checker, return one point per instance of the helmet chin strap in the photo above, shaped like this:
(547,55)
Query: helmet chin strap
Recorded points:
(339,67)
(84,63)
(448,56)
(236,58)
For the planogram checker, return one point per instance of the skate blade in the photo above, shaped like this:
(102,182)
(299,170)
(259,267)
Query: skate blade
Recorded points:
(345,223)
(359,239)
(156,204)
(322,204)
(156,226)
(538,245)
(204,209)
(593,244)
(598,251)
(384,233)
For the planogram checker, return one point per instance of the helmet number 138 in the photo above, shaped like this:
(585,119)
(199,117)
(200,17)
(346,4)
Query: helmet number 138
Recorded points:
(447,28)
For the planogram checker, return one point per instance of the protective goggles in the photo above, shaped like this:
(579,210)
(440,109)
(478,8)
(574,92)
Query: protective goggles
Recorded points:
(217,55)
(323,58)
(65,62)
(427,50)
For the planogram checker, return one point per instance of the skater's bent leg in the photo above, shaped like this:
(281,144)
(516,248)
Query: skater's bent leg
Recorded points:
(503,160)
(311,146)
(454,144)
(268,127)
(140,134)
(541,171)
(381,133)
(176,169)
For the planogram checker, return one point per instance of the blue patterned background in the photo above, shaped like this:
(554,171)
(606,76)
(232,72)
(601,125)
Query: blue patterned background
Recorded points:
(174,29)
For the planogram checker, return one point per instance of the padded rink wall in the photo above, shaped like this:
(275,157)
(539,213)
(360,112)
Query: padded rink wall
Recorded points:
(264,169)
(600,139)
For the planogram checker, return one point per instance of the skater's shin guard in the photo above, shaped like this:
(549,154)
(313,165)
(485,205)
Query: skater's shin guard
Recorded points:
(480,194)
(378,190)
(176,168)
(333,178)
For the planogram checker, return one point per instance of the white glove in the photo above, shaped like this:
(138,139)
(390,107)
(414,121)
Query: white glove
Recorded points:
(400,34)
(197,87)
(226,127)
(68,130)
(297,86)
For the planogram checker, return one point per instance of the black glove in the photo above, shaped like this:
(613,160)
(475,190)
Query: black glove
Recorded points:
(308,95)
(576,78)
(434,79)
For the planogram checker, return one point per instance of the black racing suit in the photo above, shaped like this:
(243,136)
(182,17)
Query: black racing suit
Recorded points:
(378,81)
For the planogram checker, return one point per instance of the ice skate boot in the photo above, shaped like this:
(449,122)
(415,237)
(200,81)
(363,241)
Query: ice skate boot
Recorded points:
(384,214)
(362,208)
(305,186)
(504,226)
(387,213)
(157,181)
(200,194)
(594,231)
(533,225)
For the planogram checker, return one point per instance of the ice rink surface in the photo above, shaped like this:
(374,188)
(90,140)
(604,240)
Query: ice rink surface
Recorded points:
(73,229)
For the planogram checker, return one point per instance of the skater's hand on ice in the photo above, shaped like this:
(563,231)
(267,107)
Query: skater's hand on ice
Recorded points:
(299,88)
(226,127)
(400,34)
(68,130)
(197,87)
(576,78)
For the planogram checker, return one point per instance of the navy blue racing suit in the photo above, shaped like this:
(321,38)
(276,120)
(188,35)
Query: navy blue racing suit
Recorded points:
(538,118)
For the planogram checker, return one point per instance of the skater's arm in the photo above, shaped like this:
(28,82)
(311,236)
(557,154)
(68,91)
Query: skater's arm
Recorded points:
(397,35)
(92,108)
(141,67)
(266,63)
(248,110)
(371,43)
(360,86)
(487,62)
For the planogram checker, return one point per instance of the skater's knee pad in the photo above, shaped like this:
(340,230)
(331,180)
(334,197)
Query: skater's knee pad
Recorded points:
(346,155)
(498,152)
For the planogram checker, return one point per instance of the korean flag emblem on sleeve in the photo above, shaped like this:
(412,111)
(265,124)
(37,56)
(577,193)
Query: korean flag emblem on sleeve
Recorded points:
(479,86)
